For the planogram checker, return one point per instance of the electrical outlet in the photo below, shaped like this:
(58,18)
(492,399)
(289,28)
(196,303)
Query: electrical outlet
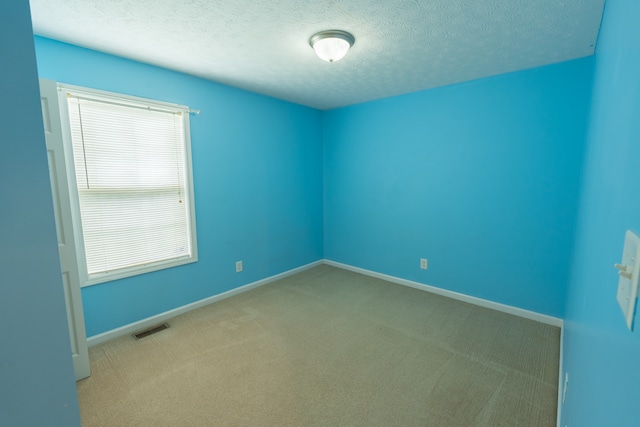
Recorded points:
(423,263)
(238,266)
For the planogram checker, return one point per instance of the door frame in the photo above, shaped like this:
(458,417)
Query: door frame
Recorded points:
(63,183)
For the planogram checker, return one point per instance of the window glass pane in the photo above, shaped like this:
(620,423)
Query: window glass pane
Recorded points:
(131,174)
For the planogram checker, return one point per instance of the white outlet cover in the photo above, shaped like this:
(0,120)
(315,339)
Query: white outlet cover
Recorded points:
(628,283)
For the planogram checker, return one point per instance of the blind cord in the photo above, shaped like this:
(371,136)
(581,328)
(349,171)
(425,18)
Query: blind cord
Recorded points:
(84,150)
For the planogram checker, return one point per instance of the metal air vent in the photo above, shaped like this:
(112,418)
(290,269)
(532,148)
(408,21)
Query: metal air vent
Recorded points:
(150,331)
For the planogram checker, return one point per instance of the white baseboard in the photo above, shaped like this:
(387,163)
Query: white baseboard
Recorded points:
(159,318)
(531,315)
(560,378)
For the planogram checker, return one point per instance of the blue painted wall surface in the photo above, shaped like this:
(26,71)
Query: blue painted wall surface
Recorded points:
(481,178)
(37,386)
(257,168)
(601,355)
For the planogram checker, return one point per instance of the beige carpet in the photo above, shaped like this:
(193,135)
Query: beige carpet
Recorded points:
(328,347)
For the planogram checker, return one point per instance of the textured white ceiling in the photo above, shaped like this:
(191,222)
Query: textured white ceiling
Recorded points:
(401,45)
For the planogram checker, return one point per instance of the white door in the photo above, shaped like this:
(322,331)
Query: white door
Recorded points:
(64,226)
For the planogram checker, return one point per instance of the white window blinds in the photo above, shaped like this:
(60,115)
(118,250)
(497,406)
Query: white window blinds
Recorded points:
(131,173)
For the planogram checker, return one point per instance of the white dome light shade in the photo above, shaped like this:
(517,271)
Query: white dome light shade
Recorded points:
(331,45)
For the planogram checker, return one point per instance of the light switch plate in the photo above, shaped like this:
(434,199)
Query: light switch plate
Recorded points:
(629,270)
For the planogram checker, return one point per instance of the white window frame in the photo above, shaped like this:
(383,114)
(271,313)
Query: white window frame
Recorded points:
(85,278)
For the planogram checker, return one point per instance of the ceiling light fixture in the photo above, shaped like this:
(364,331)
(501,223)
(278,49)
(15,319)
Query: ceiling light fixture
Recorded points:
(331,45)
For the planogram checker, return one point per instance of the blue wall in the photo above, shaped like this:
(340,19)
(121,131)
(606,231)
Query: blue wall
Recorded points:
(257,167)
(481,178)
(37,385)
(600,354)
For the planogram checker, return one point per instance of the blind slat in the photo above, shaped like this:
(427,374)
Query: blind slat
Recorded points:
(130,170)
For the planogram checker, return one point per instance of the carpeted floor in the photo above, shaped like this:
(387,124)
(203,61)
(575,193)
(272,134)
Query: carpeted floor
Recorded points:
(328,347)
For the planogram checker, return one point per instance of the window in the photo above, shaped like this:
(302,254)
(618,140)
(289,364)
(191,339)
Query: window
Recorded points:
(132,169)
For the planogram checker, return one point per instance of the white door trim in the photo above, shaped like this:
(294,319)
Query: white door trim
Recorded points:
(61,180)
